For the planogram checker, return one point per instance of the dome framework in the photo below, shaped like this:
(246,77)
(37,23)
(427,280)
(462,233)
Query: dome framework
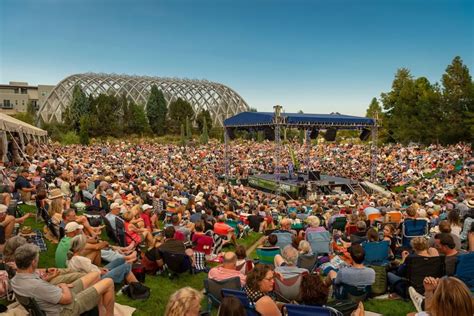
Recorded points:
(221,101)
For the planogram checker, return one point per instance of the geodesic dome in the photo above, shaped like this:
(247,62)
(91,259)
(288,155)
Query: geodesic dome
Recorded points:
(221,101)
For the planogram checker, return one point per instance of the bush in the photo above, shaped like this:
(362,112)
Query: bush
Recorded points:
(70,138)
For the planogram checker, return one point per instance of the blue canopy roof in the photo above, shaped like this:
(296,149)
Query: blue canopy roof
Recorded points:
(248,119)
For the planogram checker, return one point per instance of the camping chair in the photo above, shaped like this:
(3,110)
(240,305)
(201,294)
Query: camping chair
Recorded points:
(307,262)
(465,269)
(307,310)
(33,308)
(110,230)
(376,253)
(267,255)
(214,290)
(413,228)
(320,242)
(394,217)
(420,267)
(351,292)
(373,217)
(288,290)
(242,296)
(204,245)
(285,238)
(339,223)
(350,229)
(120,231)
(176,263)
(234,225)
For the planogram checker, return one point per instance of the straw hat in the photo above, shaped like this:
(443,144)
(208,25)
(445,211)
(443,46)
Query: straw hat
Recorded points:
(470,203)
(55,194)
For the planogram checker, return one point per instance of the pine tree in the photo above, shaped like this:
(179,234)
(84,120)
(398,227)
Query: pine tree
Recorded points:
(84,130)
(183,136)
(177,112)
(204,135)
(78,107)
(156,111)
(189,133)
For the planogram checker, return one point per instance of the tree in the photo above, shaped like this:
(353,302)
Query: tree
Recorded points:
(182,136)
(178,111)
(78,107)
(204,115)
(252,109)
(374,110)
(84,130)
(138,123)
(189,133)
(156,111)
(204,135)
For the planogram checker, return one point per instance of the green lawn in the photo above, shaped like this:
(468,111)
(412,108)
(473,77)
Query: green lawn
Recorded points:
(162,287)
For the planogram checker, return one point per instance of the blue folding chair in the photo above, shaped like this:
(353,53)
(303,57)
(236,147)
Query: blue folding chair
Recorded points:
(414,228)
(320,242)
(306,310)
(243,298)
(376,253)
(214,290)
(284,238)
(267,255)
(465,269)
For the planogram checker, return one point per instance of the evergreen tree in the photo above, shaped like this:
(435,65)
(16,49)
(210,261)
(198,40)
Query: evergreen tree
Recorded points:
(301,136)
(374,110)
(178,111)
(183,136)
(156,111)
(84,130)
(204,135)
(204,114)
(79,106)
(138,120)
(189,133)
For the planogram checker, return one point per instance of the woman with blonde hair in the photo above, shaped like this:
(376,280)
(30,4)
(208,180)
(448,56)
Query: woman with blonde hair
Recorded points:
(134,233)
(184,302)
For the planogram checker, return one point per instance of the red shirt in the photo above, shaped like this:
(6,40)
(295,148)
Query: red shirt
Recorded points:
(222,228)
(146,220)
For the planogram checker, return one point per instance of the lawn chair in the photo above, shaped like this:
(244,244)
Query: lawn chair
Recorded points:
(204,245)
(120,232)
(465,269)
(373,217)
(307,262)
(176,263)
(320,242)
(420,267)
(243,298)
(306,310)
(285,238)
(267,255)
(288,290)
(376,253)
(350,229)
(413,228)
(339,223)
(110,230)
(214,290)
(351,292)
(33,308)
(394,217)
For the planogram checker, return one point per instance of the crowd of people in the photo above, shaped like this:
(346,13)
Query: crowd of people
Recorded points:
(167,199)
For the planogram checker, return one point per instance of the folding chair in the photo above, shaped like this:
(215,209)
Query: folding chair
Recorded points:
(351,292)
(413,228)
(242,296)
(214,290)
(33,308)
(288,290)
(339,223)
(350,229)
(307,310)
(284,238)
(394,217)
(110,230)
(120,231)
(376,253)
(465,269)
(307,262)
(204,245)
(420,267)
(176,263)
(320,242)
(267,255)
(373,217)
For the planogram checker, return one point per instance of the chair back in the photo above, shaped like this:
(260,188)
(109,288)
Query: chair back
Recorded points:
(234,225)
(307,310)
(353,293)
(465,269)
(284,239)
(372,217)
(350,229)
(214,287)
(418,268)
(30,305)
(320,242)
(413,228)
(394,217)
(339,223)
(110,230)
(267,255)
(376,253)
(288,289)
(120,231)
(307,262)
(243,298)
(176,262)
(205,244)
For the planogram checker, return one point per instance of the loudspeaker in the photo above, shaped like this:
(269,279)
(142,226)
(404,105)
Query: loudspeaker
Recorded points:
(314,133)
(330,134)
(314,175)
(269,133)
(231,133)
(364,135)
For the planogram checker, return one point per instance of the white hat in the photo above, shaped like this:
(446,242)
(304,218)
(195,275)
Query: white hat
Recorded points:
(72,226)
(146,207)
(3,208)
(114,206)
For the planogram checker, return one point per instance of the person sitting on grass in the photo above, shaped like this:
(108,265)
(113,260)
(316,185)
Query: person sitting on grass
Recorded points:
(63,299)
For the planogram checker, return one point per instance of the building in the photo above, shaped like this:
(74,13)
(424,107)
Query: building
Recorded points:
(15,96)
(221,101)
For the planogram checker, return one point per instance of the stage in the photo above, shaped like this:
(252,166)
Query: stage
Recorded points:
(298,185)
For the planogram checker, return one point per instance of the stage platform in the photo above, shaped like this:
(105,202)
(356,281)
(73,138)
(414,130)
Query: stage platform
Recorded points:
(298,184)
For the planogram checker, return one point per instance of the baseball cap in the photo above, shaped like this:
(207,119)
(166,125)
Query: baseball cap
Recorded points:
(114,205)
(72,226)
(146,207)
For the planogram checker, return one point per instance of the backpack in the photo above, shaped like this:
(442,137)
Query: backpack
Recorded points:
(380,285)
(139,271)
(137,291)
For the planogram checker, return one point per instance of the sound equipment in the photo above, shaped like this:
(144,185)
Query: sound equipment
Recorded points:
(231,133)
(314,133)
(364,135)
(330,134)
(314,175)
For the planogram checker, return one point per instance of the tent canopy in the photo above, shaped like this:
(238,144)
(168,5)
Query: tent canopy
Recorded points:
(11,124)
(247,119)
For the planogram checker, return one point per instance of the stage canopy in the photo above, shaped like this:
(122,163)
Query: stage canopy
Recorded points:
(248,119)
(13,125)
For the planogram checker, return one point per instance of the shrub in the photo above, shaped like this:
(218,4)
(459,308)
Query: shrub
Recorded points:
(70,138)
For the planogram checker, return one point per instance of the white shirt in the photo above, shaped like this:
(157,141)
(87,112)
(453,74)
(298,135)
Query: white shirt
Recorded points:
(82,264)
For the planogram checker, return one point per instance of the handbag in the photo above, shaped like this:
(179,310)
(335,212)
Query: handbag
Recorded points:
(139,271)
(137,291)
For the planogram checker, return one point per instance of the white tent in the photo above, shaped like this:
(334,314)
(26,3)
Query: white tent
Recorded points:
(11,124)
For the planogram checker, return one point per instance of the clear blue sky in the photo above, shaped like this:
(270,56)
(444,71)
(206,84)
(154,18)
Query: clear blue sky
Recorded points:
(315,56)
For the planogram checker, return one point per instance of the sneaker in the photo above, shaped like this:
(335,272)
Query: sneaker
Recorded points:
(416,298)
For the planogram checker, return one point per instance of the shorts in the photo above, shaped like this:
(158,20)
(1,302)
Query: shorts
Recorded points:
(68,278)
(83,300)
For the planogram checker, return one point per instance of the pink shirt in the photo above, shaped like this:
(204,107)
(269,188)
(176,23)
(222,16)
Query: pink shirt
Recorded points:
(220,273)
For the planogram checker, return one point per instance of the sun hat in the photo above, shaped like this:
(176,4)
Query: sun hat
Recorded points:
(72,226)
(55,194)
(3,208)
(146,207)
(114,205)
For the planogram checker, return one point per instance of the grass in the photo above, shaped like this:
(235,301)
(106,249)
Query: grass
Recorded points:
(162,287)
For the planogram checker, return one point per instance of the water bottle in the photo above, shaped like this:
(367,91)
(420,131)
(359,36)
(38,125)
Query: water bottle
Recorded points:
(16,229)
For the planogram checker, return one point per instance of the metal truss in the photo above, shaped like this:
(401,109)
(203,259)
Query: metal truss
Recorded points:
(221,101)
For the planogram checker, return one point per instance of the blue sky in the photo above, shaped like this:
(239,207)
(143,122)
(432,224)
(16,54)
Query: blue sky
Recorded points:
(315,56)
